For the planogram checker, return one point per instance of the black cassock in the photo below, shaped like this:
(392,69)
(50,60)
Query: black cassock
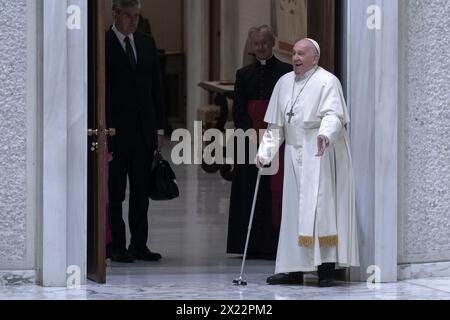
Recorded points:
(253,89)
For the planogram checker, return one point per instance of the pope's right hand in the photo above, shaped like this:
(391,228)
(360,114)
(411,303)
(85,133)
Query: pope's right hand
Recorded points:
(260,162)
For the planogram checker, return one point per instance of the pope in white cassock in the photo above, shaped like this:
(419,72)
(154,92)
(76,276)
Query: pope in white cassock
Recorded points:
(307,110)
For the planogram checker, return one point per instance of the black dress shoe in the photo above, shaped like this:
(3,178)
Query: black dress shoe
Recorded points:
(326,275)
(326,283)
(144,254)
(286,278)
(122,255)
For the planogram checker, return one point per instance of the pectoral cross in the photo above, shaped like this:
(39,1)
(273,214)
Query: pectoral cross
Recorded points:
(290,114)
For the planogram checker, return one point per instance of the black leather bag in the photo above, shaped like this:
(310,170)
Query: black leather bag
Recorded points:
(163,184)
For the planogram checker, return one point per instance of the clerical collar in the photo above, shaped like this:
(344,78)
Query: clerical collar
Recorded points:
(306,75)
(264,62)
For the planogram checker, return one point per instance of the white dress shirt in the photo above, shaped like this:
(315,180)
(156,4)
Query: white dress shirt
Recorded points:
(122,37)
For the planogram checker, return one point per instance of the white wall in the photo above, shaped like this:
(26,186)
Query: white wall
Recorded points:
(237,18)
(43,126)
(250,13)
(424,233)
(17,214)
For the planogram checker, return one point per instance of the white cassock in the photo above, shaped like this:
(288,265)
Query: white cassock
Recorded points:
(318,218)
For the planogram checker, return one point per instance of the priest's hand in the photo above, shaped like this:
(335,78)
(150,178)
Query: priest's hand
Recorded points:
(322,144)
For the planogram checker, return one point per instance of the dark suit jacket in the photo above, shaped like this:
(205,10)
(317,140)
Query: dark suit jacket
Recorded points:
(133,98)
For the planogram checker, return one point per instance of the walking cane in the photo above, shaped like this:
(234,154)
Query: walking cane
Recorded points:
(239,281)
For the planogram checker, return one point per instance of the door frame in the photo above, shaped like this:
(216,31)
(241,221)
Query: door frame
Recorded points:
(61,140)
(97,163)
(324,13)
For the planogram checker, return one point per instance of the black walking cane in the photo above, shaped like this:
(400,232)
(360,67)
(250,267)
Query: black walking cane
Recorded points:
(239,281)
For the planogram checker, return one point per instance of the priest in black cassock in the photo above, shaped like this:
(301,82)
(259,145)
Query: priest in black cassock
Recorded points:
(253,89)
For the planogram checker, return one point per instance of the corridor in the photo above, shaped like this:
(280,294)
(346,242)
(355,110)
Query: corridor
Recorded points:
(190,233)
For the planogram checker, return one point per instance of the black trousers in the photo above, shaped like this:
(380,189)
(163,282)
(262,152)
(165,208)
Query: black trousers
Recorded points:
(132,159)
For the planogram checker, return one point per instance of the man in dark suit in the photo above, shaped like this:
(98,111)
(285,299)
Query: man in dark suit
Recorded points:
(133,109)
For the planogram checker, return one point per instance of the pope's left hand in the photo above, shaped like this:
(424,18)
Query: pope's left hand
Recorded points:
(321,145)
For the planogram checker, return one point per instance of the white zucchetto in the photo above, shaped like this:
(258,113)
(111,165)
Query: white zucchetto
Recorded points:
(314,42)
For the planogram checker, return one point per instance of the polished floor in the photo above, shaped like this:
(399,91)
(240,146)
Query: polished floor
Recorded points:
(190,233)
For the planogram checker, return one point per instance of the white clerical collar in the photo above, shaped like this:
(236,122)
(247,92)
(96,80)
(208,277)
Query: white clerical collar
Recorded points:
(306,75)
(264,62)
(121,36)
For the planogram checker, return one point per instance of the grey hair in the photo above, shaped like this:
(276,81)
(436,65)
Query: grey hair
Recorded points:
(268,30)
(117,5)
(252,31)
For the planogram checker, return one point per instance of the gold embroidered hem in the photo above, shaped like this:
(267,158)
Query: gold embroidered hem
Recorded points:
(305,241)
(329,241)
(324,242)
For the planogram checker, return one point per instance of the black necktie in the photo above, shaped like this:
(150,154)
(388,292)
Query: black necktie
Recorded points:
(130,53)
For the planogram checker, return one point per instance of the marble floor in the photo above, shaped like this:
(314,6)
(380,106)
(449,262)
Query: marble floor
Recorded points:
(190,233)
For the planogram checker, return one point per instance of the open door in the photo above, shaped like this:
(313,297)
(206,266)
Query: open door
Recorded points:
(97,159)
(322,27)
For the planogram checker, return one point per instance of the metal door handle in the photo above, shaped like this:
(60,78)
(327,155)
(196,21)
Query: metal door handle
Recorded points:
(92,132)
(110,132)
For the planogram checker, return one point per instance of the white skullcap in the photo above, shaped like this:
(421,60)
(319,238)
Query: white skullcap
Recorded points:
(314,42)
